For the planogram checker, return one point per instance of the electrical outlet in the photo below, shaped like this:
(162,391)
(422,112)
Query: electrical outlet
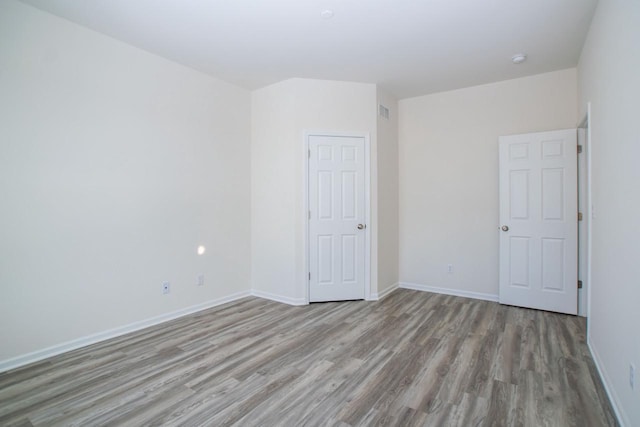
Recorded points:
(632,376)
(450,268)
(166,287)
(201,280)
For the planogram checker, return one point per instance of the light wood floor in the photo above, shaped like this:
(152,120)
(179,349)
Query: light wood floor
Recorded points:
(414,358)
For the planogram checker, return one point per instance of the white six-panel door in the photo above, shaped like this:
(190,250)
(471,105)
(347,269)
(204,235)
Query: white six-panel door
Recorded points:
(336,218)
(538,219)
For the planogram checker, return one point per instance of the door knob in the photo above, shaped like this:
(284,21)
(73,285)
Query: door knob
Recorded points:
(505,228)
(361,226)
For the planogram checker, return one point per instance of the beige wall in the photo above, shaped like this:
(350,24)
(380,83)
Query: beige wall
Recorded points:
(280,115)
(115,165)
(609,78)
(388,202)
(449,174)
(274,156)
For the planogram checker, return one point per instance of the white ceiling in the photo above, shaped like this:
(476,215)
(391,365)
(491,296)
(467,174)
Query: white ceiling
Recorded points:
(409,47)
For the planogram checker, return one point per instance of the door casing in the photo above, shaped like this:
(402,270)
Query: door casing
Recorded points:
(367,194)
(586,204)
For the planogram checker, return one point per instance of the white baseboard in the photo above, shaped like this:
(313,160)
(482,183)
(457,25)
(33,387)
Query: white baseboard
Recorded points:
(386,292)
(57,349)
(278,298)
(448,291)
(623,420)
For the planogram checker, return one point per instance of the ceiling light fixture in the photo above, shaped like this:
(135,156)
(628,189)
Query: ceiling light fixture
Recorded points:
(519,58)
(326,14)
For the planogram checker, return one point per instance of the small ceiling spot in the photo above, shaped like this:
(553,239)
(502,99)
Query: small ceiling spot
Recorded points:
(326,14)
(519,58)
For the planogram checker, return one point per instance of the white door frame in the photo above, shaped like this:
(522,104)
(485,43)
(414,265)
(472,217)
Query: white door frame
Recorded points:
(584,175)
(367,206)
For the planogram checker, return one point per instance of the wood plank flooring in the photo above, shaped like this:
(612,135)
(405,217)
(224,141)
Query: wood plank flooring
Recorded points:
(412,359)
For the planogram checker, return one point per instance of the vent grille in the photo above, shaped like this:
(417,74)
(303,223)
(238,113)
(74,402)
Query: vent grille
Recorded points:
(383,111)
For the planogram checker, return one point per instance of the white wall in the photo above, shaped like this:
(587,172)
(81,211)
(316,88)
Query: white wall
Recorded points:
(388,201)
(449,174)
(273,193)
(609,77)
(115,165)
(280,115)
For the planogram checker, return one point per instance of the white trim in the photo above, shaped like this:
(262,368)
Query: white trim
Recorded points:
(305,212)
(448,291)
(618,409)
(368,262)
(279,298)
(57,349)
(584,241)
(589,212)
(385,293)
(371,228)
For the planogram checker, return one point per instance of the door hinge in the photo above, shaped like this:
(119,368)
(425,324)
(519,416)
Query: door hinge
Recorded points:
(579,149)
(579,216)
(579,284)
(309,214)
(309,153)
(309,275)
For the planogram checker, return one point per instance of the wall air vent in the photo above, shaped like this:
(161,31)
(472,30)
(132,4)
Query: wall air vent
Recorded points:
(383,111)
